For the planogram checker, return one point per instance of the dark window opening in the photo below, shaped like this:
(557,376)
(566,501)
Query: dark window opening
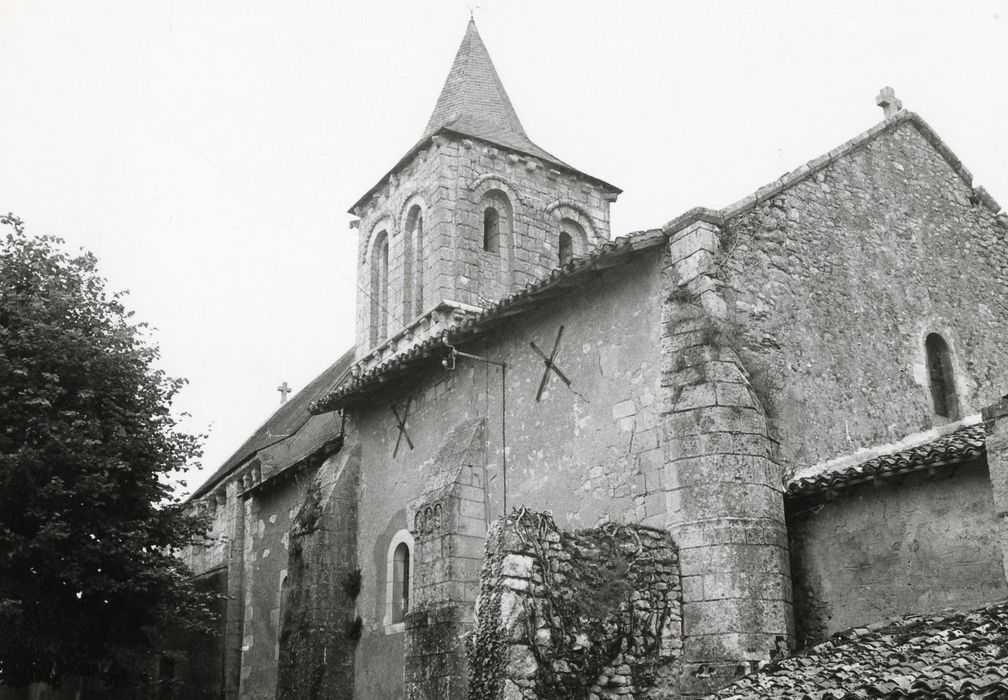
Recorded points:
(400,582)
(418,266)
(939,363)
(491,230)
(566,248)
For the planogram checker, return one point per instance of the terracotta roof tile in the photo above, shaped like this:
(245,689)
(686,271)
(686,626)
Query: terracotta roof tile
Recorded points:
(952,655)
(604,255)
(965,443)
(285,423)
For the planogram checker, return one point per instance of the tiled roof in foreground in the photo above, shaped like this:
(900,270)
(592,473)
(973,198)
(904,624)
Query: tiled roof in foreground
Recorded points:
(965,443)
(951,655)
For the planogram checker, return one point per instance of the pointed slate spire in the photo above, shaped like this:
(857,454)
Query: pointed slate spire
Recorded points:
(474,94)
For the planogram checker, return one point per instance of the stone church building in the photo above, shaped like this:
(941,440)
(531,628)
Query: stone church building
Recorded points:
(768,422)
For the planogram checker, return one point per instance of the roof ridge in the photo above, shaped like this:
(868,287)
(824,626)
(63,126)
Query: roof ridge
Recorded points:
(811,167)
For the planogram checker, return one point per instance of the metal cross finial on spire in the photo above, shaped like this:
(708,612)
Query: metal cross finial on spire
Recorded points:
(284,390)
(886,99)
(472,10)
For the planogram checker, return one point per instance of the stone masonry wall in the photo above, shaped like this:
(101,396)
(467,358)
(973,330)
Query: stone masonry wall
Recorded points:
(449,531)
(837,279)
(539,195)
(424,181)
(589,614)
(720,480)
(225,547)
(447,179)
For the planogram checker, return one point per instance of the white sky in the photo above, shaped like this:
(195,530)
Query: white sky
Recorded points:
(207,151)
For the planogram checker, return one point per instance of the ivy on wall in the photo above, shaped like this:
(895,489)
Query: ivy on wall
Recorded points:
(568,615)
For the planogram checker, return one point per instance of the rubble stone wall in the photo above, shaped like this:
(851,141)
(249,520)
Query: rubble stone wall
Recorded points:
(586,614)
(837,279)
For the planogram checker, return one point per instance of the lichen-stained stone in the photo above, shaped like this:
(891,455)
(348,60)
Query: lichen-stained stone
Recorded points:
(600,617)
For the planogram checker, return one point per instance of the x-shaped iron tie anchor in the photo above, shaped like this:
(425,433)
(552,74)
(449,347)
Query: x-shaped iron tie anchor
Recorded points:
(550,365)
(402,425)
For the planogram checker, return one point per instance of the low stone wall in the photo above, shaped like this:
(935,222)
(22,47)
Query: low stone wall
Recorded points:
(589,614)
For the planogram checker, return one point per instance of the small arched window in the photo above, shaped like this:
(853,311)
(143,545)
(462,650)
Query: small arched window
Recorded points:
(491,230)
(939,364)
(400,582)
(573,241)
(379,288)
(566,248)
(412,300)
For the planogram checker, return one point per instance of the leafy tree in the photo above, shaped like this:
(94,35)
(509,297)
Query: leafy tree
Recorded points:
(90,530)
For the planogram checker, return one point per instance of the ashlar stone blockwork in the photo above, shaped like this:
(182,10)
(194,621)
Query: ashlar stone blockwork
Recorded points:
(589,614)
(724,492)
(449,531)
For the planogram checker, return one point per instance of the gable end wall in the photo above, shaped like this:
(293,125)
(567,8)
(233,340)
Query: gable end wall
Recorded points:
(833,283)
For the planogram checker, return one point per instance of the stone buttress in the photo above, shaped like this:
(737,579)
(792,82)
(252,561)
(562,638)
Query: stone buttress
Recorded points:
(724,495)
(449,530)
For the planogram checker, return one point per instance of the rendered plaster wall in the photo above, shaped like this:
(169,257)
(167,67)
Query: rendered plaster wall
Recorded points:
(834,283)
(585,453)
(913,544)
(268,517)
(448,180)
(318,626)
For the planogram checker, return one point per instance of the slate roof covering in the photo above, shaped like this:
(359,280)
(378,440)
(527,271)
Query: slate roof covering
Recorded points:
(951,655)
(285,434)
(474,103)
(605,255)
(964,444)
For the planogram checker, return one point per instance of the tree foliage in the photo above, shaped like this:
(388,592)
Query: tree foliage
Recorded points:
(90,531)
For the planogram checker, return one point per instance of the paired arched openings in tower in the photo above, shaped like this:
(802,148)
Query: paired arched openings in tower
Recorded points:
(413,289)
(379,287)
(941,377)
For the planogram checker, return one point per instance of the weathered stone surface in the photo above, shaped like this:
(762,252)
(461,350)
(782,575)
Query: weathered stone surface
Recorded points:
(599,618)
(918,544)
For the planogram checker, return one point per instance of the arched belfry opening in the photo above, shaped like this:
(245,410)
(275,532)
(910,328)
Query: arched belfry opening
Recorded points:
(941,377)
(573,241)
(413,267)
(379,288)
(470,211)
(491,230)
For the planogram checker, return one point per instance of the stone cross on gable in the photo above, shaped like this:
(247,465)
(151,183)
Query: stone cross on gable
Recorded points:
(886,99)
(284,390)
